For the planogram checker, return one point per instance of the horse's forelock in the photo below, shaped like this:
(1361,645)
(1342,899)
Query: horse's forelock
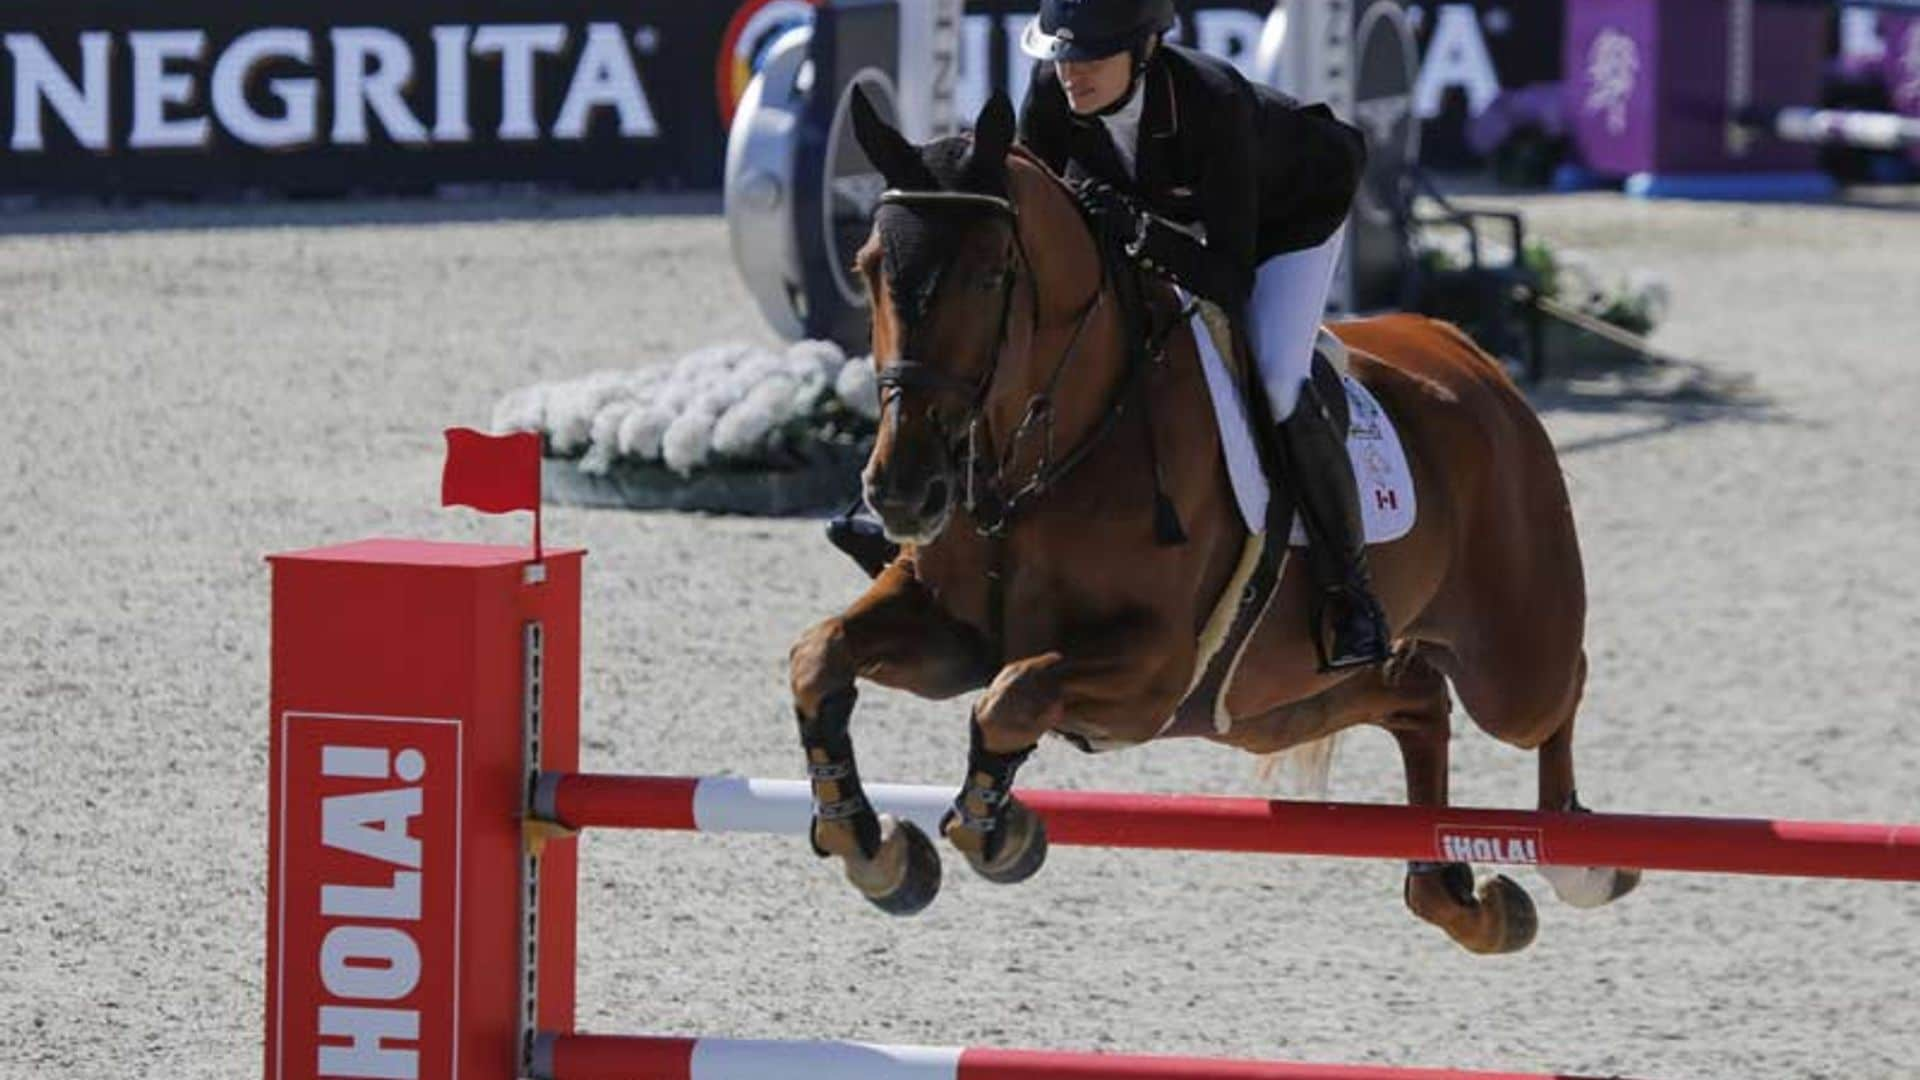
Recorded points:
(947,160)
(914,247)
(917,242)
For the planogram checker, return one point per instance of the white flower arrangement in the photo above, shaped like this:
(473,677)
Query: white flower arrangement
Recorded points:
(724,406)
(1637,301)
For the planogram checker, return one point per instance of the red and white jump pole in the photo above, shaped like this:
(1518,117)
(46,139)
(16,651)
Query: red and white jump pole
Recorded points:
(604,1057)
(422,876)
(1212,823)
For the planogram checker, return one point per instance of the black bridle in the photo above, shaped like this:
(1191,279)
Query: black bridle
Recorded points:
(986,496)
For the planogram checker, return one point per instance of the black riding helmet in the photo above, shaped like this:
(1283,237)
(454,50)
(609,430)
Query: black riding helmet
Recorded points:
(1092,29)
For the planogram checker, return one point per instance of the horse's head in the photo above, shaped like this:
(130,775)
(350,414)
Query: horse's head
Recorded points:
(941,268)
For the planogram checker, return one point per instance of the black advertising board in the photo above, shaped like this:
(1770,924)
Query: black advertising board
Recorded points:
(115,96)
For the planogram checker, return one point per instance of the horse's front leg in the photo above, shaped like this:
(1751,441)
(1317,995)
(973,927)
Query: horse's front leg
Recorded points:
(895,636)
(1125,683)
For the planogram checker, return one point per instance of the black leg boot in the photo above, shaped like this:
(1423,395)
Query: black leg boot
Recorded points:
(1348,626)
(857,533)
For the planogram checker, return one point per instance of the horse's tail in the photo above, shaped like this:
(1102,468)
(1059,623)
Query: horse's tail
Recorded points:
(1301,772)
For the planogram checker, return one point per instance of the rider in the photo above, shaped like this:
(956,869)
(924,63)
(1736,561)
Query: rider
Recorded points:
(1236,193)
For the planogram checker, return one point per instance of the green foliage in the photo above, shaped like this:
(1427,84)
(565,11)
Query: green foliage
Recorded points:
(1545,265)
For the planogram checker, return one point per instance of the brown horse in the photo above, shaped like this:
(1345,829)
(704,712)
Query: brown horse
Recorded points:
(1015,463)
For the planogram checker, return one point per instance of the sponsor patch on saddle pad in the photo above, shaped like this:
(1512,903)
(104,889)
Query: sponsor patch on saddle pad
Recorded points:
(1379,461)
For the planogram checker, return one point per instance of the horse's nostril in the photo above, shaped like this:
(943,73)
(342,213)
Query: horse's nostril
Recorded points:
(936,499)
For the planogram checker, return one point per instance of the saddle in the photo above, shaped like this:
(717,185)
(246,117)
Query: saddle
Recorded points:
(1154,311)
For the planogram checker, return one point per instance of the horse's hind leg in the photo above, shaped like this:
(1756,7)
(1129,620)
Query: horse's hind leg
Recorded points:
(1538,714)
(1580,886)
(1408,698)
(1499,916)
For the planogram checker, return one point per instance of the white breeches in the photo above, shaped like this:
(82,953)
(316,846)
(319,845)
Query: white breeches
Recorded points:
(1284,315)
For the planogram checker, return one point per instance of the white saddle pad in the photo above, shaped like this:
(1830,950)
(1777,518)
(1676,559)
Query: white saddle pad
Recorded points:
(1379,461)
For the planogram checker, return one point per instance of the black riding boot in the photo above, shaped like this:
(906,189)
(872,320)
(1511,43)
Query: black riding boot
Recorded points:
(857,533)
(1349,629)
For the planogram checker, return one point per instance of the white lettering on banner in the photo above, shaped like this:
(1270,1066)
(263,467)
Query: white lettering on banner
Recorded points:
(1457,56)
(946,65)
(605,78)
(972,75)
(370,69)
(372,963)
(155,88)
(296,125)
(1514,846)
(374,824)
(38,79)
(373,72)
(450,84)
(362,762)
(1227,32)
(365,1056)
(516,46)
(1860,35)
(1482,849)
(399,900)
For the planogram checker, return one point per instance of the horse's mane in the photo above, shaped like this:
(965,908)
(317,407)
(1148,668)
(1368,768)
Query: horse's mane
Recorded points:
(1020,152)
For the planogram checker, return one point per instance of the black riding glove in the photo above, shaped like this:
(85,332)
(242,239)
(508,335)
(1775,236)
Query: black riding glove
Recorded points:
(1111,214)
(1187,262)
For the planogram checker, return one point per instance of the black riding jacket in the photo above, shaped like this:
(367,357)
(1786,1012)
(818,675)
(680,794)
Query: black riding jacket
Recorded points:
(1261,173)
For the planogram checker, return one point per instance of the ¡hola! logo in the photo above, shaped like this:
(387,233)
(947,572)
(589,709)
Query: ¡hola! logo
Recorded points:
(1488,844)
(365,943)
(754,28)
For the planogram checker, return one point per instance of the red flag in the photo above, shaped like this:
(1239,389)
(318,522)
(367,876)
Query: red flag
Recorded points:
(491,473)
(494,474)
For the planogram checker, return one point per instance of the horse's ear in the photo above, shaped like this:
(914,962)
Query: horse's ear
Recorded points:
(993,132)
(899,163)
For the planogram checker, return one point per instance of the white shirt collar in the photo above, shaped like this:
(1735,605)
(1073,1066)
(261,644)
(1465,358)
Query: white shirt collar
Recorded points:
(1123,125)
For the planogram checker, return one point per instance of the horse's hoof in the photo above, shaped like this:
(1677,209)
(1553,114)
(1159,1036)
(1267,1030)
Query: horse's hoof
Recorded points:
(1023,847)
(1624,882)
(1590,886)
(903,876)
(1516,921)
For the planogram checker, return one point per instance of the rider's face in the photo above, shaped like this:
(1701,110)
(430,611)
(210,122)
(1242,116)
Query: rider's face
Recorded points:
(1092,85)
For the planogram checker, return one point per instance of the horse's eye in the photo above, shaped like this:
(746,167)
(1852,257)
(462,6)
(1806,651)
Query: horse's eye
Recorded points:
(993,279)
